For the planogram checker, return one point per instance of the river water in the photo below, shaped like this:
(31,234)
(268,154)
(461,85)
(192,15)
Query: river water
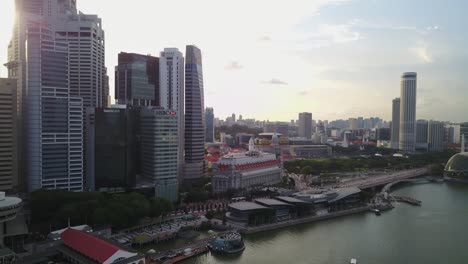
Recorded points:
(435,233)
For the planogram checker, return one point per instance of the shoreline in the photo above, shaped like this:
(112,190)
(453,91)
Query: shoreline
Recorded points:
(311,219)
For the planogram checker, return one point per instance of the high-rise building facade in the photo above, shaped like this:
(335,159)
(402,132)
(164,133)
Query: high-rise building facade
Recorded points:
(407,137)
(137,80)
(436,136)
(159,151)
(112,158)
(8,135)
(53,120)
(210,127)
(194,115)
(305,125)
(86,79)
(353,124)
(171,85)
(395,130)
(382,134)
(88,73)
(422,138)
(454,134)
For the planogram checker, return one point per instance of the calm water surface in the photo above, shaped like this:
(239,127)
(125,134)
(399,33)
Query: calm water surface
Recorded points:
(436,232)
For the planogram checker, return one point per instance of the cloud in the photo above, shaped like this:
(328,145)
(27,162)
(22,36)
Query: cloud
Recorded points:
(433,28)
(233,65)
(328,34)
(264,38)
(364,24)
(423,54)
(276,82)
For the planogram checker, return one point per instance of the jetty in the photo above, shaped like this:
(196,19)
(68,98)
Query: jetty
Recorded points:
(407,200)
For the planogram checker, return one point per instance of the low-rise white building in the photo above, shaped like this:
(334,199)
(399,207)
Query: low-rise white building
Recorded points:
(245,170)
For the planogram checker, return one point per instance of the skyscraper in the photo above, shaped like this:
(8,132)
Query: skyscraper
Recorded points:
(53,120)
(407,137)
(159,151)
(137,80)
(194,114)
(353,124)
(8,136)
(305,125)
(113,157)
(86,78)
(88,73)
(454,134)
(395,132)
(209,120)
(171,85)
(436,136)
(422,129)
(360,122)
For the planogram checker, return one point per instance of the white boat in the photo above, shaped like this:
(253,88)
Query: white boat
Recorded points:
(353,261)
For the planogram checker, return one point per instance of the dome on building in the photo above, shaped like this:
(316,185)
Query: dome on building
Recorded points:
(457,167)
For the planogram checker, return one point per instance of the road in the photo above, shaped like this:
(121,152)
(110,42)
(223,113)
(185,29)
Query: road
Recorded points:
(367,181)
(378,180)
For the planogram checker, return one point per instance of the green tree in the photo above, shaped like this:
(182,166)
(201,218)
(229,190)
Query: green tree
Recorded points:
(307,170)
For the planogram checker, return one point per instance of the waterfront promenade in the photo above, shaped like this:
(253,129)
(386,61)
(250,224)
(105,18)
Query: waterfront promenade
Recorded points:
(310,219)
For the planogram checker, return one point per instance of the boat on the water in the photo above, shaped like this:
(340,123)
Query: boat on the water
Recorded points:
(353,261)
(171,257)
(227,243)
(376,211)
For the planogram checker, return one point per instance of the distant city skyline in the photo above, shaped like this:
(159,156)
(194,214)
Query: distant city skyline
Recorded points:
(336,59)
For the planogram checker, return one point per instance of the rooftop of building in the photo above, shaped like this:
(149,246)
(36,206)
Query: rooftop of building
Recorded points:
(269,134)
(84,228)
(311,146)
(246,154)
(271,202)
(345,192)
(246,206)
(289,199)
(7,201)
(92,247)
(409,74)
(331,195)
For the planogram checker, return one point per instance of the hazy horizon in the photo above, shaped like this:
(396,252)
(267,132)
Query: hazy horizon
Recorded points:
(272,60)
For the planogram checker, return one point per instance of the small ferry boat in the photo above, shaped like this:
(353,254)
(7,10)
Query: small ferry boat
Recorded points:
(376,211)
(227,243)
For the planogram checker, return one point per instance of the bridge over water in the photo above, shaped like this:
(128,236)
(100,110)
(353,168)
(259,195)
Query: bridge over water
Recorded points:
(392,177)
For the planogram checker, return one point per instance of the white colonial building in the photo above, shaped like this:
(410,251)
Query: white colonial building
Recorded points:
(245,170)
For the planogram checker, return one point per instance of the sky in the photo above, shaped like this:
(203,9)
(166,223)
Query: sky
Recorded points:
(271,59)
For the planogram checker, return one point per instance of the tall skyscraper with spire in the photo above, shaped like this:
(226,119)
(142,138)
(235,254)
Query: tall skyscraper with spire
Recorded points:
(407,137)
(194,115)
